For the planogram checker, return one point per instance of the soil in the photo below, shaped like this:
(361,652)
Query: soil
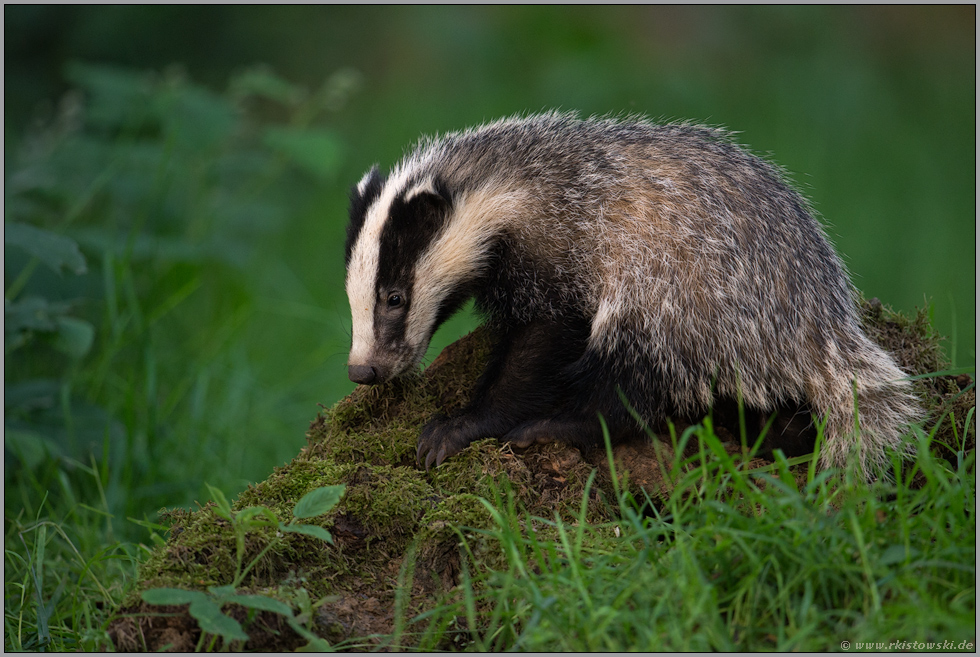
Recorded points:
(397,531)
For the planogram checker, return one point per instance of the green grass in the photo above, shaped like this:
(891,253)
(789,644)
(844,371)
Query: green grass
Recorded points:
(735,559)
(64,573)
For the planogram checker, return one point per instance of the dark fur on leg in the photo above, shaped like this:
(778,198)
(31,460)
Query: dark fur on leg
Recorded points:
(524,381)
(592,389)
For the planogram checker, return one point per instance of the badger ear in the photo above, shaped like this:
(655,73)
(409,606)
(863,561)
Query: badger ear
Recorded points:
(431,191)
(369,187)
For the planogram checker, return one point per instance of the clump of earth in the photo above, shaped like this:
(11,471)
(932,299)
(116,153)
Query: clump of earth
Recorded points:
(394,514)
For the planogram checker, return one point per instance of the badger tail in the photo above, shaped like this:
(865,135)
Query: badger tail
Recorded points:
(869,406)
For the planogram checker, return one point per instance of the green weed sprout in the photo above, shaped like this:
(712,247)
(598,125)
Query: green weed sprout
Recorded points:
(206,607)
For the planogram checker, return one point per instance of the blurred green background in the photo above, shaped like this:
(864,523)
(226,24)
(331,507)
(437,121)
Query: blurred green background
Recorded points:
(184,313)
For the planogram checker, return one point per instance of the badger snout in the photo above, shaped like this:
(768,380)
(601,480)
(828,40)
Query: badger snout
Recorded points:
(362,374)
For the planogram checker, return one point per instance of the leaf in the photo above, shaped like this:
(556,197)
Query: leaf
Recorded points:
(29,447)
(194,116)
(55,251)
(33,313)
(211,620)
(262,603)
(167,596)
(317,151)
(896,554)
(72,336)
(257,516)
(32,395)
(318,501)
(316,644)
(75,336)
(223,508)
(222,592)
(115,94)
(309,530)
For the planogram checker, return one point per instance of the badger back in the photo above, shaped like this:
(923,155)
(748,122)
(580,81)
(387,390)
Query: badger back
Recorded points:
(416,245)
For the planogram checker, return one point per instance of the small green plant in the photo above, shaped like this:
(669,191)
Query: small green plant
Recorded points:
(206,607)
(315,503)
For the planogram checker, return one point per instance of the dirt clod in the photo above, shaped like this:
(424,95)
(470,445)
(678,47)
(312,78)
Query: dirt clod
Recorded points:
(393,510)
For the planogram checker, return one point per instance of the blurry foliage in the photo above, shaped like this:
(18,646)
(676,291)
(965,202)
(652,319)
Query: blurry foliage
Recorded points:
(146,193)
(174,303)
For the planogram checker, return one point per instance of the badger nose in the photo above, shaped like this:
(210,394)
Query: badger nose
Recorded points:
(362,374)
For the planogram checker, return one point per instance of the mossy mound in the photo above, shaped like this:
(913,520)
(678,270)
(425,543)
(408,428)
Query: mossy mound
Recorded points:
(392,510)
(947,398)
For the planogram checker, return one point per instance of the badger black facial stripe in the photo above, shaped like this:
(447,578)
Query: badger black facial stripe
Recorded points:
(414,220)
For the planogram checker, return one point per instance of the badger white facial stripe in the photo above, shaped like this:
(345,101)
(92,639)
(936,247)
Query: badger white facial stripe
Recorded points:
(424,187)
(460,253)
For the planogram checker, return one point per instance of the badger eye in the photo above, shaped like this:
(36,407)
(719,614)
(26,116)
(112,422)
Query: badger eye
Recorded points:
(395,300)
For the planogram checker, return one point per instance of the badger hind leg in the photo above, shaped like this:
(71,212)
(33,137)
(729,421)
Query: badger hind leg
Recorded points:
(885,404)
(523,382)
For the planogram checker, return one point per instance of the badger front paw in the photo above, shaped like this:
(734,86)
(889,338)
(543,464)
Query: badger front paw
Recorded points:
(443,437)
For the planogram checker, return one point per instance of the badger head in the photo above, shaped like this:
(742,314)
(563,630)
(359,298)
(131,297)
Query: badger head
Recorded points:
(407,271)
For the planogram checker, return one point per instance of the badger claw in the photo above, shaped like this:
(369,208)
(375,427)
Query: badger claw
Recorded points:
(431,457)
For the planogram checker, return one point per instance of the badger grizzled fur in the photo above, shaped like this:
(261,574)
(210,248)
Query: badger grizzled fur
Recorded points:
(662,261)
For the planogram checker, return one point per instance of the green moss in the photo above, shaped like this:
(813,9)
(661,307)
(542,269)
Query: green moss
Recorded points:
(200,553)
(468,470)
(911,340)
(389,500)
(287,484)
(394,444)
(374,407)
(451,513)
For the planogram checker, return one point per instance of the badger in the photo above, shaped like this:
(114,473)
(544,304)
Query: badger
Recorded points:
(615,260)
